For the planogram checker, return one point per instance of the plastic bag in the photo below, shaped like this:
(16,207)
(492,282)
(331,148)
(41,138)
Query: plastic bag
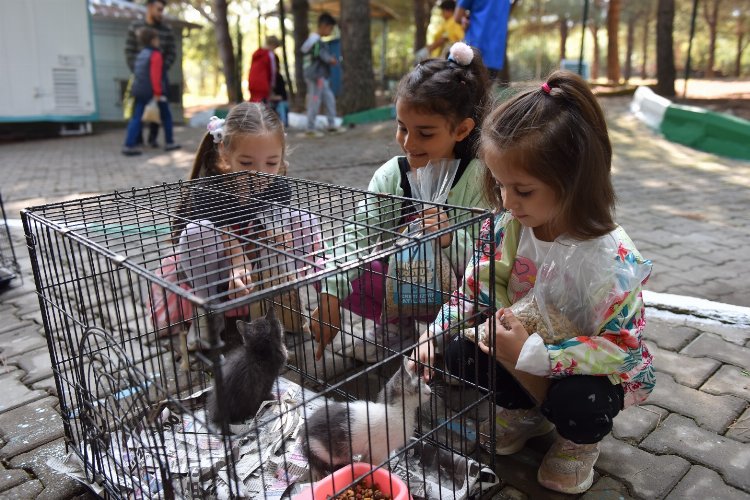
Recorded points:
(421,276)
(577,286)
(151,112)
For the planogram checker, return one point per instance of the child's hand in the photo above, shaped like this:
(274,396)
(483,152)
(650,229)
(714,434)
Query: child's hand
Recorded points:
(508,342)
(240,278)
(326,322)
(423,353)
(434,219)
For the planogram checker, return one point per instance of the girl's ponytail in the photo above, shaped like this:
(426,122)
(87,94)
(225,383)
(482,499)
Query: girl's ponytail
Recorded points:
(206,158)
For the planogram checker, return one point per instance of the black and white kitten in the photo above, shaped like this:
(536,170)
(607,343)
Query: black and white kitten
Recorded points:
(249,370)
(338,432)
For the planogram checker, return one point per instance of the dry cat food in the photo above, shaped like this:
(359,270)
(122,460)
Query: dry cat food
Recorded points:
(528,313)
(361,491)
(418,286)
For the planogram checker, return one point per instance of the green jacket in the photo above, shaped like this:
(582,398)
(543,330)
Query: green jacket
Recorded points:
(373,220)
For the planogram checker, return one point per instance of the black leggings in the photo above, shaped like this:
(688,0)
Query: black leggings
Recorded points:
(582,407)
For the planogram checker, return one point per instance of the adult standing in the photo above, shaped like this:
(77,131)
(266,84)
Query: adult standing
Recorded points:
(486,25)
(154,20)
(264,67)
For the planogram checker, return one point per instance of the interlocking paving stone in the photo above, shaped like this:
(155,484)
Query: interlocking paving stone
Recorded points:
(15,393)
(29,427)
(36,364)
(11,322)
(713,346)
(681,436)
(685,370)
(740,429)
(21,340)
(56,485)
(11,477)
(634,423)
(729,380)
(29,489)
(607,488)
(712,412)
(647,475)
(667,335)
(705,484)
(47,384)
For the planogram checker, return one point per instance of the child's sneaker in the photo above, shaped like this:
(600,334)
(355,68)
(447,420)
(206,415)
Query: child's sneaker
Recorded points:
(568,467)
(513,428)
(314,133)
(171,146)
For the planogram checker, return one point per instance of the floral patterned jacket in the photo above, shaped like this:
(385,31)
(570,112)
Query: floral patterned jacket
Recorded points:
(617,351)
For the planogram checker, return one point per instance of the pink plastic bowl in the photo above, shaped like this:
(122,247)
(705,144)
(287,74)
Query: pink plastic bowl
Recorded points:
(386,482)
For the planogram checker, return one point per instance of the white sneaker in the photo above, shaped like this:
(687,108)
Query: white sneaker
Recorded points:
(568,467)
(513,428)
(393,336)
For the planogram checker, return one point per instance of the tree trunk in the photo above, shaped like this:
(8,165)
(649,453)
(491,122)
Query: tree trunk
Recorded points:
(613,52)
(712,19)
(300,10)
(358,83)
(594,26)
(740,44)
(421,22)
(503,76)
(282,17)
(226,51)
(595,51)
(646,38)
(629,46)
(563,36)
(665,70)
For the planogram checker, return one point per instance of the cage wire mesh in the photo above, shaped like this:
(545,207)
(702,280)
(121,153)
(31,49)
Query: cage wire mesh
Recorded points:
(142,324)
(9,267)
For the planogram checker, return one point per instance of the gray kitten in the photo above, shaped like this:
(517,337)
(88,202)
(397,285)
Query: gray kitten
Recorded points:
(338,431)
(249,370)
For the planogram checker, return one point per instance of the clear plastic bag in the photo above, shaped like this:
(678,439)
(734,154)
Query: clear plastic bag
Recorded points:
(576,287)
(151,112)
(420,277)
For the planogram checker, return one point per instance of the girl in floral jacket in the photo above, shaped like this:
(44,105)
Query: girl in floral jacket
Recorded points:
(548,159)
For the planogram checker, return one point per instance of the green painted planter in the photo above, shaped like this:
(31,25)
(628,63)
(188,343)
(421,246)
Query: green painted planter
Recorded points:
(381,114)
(708,131)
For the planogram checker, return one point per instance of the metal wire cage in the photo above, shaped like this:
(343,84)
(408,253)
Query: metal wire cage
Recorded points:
(9,267)
(140,293)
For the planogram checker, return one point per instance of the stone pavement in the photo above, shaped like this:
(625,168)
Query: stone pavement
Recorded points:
(686,210)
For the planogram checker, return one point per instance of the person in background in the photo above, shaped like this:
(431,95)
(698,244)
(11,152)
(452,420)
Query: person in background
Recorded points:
(449,31)
(154,20)
(149,82)
(318,62)
(264,67)
(486,26)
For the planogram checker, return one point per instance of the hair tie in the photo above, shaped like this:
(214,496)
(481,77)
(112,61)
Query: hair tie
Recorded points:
(215,127)
(546,88)
(461,54)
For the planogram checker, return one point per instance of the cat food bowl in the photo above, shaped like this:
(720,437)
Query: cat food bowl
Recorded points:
(389,484)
